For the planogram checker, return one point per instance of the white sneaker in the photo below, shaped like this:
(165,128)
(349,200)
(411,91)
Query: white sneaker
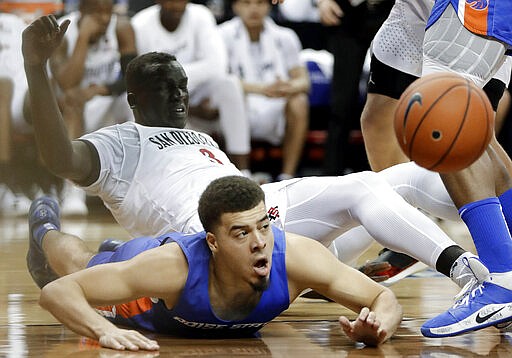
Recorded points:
(73,200)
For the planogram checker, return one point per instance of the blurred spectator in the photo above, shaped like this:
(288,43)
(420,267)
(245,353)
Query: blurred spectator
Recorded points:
(265,57)
(189,32)
(13,110)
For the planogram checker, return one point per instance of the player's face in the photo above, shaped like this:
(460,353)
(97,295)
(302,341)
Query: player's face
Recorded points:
(100,11)
(252,12)
(168,107)
(245,244)
(171,12)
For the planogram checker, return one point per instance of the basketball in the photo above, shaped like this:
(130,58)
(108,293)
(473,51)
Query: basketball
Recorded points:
(444,122)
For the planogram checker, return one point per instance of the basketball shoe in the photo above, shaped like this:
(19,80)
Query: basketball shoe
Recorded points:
(43,216)
(486,304)
(401,266)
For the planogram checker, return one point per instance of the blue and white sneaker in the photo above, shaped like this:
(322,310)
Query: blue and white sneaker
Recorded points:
(487,304)
(42,215)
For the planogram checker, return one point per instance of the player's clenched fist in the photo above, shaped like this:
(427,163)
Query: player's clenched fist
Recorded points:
(41,38)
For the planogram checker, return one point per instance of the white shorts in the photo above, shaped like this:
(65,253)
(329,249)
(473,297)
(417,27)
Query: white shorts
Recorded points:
(102,111)
(267,118)
(449,46)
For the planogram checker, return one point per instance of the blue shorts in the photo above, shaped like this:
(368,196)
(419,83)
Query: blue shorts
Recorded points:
(127,250)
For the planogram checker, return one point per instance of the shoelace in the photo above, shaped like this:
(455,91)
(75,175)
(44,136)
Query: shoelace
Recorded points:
(469,290)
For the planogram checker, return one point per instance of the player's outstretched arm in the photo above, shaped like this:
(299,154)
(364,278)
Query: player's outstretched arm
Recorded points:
(70,298)
(72,160)
(311,265)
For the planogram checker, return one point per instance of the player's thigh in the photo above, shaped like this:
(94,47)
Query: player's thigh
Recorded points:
(267,118)
(320,207)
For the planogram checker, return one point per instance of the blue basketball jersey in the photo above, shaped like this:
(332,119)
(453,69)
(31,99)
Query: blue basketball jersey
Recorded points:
(193,315)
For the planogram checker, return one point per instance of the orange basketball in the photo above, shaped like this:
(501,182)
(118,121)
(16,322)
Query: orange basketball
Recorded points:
(444,122)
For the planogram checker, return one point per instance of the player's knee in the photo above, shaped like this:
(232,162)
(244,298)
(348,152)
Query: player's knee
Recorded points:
(297,107)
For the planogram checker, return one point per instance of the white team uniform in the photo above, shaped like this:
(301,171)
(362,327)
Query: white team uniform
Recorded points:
(399,41)
(151,179)
(198,46)
(11,66)
(271,58)
(102,66)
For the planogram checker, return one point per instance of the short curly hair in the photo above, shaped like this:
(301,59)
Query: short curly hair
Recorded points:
(230,194)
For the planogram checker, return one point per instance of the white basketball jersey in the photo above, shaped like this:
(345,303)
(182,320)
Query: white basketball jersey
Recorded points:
(102,65)
(151,178)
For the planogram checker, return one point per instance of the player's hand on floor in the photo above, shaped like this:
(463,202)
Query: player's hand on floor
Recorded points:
(123,339)
(365,328)
(372,269)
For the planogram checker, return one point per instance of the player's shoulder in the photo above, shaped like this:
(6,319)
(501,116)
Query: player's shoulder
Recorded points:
(199,10)
(288,37)
(230,26)
(145,15)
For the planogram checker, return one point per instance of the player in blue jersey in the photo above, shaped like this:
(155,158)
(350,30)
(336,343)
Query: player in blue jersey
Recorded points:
(472,38)
(229,280)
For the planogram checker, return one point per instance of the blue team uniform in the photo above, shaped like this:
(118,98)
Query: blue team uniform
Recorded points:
(483,17)
(192,315)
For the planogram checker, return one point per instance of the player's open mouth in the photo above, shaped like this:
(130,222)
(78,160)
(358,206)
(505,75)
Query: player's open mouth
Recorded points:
(180,109)
(262,267)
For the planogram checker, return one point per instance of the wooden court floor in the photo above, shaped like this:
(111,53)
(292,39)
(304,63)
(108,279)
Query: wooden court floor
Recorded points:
(308,329)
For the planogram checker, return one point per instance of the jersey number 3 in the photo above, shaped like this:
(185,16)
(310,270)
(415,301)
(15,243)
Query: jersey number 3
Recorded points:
(210,156)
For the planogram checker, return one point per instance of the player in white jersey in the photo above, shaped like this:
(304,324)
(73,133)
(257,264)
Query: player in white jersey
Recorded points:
(265,57)
(13,108)
(189,32)
(134,165)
